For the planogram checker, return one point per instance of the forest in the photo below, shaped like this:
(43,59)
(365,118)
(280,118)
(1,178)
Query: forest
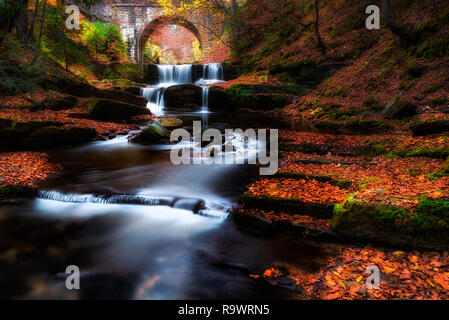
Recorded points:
(348,100)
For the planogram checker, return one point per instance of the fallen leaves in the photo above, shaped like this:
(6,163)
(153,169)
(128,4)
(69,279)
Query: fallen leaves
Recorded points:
(344,276)
(24,168)
(309,191)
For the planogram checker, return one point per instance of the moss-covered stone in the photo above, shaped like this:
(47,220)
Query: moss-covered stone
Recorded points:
(58,136)
(263,101)
(426,227)
(104,109)
(318,210)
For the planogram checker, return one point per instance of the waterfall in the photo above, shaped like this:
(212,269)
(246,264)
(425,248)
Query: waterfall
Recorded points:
(170,75)
(175,74)
(205,104)
(213,71)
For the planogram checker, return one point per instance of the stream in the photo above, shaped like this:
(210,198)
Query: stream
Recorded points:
(139,227)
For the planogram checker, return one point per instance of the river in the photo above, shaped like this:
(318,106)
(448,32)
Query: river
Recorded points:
(135,251)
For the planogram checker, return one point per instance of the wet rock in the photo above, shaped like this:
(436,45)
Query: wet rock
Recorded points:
(399,109)
(63,103)
(105,109)
(154,133)
(180,95)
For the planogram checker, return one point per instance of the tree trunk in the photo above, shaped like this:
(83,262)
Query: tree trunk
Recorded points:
(317,28)
(22,21)
(392,25)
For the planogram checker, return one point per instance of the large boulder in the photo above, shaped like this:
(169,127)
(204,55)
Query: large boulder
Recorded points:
(58,136)
(155,133)
(104,109)
(399,109)
(180,95)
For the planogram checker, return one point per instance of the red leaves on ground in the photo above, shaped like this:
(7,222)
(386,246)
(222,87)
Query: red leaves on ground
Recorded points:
(24,168)
(310,191)
(397,181)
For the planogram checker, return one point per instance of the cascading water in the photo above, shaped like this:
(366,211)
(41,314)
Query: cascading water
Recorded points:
(169,75)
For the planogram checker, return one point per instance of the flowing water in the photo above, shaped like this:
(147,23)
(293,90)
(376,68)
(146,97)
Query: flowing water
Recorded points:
(139,227)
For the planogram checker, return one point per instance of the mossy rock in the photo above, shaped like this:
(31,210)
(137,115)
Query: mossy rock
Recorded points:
(399,109)
(104,109)
(155,133)
(427,227)
(293,206)
(245,89)
(427,127)
(262,101)
(29,127)
(16,191)
(62,103)
(59,136)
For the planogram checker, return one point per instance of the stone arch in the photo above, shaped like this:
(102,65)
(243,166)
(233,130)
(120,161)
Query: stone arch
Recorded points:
(164,20)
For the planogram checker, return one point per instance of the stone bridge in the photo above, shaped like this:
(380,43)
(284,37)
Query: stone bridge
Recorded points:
(138,19)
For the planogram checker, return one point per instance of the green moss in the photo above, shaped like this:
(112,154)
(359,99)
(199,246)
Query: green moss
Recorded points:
(427,226)
(374,150)
(339,114)
(436,175)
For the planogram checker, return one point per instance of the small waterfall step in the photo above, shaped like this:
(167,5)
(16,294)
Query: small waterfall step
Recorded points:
(194,205)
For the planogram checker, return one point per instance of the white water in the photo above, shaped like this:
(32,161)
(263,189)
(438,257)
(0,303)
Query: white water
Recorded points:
(169,75)
(205,104)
